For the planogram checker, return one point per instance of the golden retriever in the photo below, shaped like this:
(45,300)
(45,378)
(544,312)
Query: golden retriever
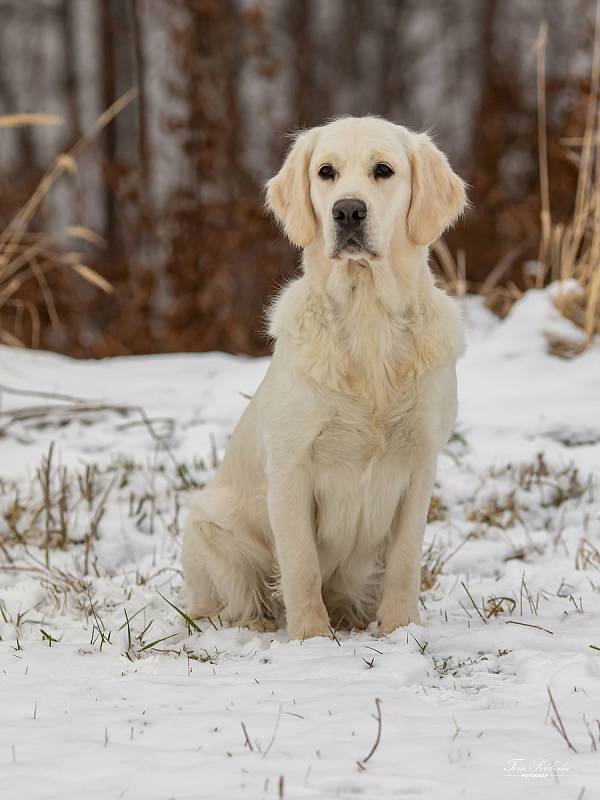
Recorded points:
(319,507)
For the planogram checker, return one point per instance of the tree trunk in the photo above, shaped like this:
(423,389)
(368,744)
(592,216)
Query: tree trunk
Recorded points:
(109,95)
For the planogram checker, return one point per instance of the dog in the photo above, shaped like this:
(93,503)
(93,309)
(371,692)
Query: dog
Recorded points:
(319,507)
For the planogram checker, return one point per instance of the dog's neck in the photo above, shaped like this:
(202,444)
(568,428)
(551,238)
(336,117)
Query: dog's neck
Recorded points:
(373,309)
(356,325)
(387,290)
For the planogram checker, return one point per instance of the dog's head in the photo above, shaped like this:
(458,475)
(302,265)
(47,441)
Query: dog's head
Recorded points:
(360,184)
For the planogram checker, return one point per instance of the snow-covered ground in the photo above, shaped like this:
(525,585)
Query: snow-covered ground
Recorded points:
(107,692)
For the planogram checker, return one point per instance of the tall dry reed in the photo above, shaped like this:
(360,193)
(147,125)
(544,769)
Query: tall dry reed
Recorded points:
(27,255)
(570,251)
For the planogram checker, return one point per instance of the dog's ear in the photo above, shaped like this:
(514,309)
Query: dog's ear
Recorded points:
(288,193)
(438,194)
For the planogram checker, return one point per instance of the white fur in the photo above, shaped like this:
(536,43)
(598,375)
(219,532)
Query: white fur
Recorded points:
(319,506)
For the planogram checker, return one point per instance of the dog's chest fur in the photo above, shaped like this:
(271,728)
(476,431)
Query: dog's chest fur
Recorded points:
(361,461)
(363,364)
(358,435)
(360,464)
(370,370)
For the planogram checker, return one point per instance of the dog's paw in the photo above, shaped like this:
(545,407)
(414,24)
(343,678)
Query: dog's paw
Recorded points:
(201,611)
(261,625)
(309,625)
(391,619)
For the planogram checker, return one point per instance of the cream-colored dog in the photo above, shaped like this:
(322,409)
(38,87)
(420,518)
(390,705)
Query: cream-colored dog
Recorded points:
(322,497)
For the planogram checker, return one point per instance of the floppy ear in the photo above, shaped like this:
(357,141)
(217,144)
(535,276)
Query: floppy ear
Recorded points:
(438,194)
(288,193)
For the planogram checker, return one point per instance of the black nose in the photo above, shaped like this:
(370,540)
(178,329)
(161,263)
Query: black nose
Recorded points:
(349,213)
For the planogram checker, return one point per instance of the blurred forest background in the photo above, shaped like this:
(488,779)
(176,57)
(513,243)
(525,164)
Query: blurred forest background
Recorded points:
(174,185)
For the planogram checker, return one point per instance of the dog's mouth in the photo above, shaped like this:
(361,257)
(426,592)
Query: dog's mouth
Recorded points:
(352,244)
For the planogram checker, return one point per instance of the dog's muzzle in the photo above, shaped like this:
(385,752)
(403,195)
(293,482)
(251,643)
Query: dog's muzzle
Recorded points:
(349,222)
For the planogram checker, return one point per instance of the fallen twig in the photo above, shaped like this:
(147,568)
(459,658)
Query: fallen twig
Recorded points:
(558,723)
(247,742)
(81,405)
(270,745)
(528,625)
(361,764)
(474,603)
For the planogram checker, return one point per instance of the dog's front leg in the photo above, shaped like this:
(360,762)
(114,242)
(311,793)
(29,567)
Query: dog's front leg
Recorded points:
(402,577)
(290,501)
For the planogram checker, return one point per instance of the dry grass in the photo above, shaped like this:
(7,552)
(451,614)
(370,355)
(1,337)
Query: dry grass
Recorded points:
(27,256)
(511,491)
(453,270)
(18,120)
(570,251)
(499,294)
(432,566)
(587,556)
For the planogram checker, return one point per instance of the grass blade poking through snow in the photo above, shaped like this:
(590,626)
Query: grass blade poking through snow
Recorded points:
(189,621)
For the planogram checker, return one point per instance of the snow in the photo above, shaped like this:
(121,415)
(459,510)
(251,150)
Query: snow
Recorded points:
(90,709)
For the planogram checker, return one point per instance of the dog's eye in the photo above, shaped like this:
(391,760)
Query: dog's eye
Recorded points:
(382,170)
(327,172)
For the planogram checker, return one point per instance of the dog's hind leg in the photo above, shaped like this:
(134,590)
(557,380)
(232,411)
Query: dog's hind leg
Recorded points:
(225,566)
(201,595)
